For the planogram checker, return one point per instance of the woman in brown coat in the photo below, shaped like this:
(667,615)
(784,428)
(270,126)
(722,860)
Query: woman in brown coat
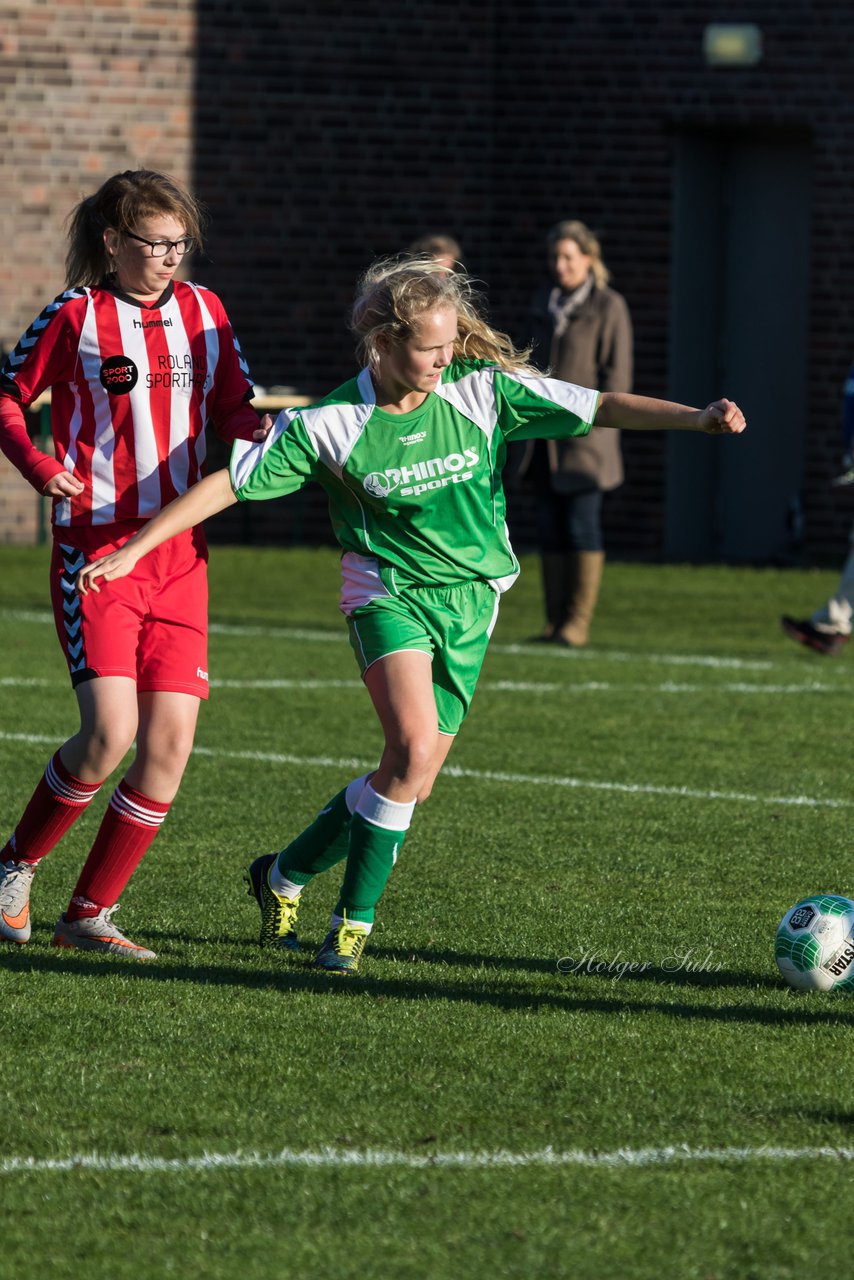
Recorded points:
(582,333)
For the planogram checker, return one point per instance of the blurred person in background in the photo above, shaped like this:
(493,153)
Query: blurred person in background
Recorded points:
(444,249)
(828,630)
(581,332)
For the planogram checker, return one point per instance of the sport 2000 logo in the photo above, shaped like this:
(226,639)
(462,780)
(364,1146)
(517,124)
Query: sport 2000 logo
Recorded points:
(422,476)
(118,375)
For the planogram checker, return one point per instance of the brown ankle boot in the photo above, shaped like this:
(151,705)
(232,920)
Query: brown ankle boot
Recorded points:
(588,568)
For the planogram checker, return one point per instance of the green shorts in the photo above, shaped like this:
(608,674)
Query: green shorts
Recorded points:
(452,624)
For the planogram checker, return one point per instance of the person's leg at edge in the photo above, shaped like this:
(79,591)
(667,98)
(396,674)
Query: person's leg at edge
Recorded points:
(74,774)
(586,562)
(137,809)
(556,567)
(835,616)
(401,690)
(828,629)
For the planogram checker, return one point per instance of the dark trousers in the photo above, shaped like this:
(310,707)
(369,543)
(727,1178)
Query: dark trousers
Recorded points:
(569,521)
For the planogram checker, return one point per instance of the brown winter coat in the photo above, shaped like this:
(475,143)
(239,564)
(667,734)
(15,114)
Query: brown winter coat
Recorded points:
(594,351)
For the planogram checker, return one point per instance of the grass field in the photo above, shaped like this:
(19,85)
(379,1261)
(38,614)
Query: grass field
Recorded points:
(569,1053)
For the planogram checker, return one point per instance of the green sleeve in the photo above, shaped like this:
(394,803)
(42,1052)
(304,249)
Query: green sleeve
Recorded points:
(532,407)
(279,465)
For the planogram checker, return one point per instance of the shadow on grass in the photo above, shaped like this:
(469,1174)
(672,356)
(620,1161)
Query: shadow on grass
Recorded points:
(609,968)
(568,995)
(844,1119)
(597,967)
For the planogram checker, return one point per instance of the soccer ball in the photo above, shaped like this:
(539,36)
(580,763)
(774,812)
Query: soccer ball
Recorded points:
(814,948)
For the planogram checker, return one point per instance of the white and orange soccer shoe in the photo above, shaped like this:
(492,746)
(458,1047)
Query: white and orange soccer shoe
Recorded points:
(98,933)
(16,881)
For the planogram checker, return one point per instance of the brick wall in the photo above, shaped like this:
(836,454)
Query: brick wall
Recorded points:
(321,135)
(20,514)
(88,89)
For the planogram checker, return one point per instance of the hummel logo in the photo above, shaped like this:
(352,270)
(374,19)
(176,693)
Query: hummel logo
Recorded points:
(152,324)
(202,675)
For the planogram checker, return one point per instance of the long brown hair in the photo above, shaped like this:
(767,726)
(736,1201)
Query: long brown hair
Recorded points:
(121,203)
(393,292)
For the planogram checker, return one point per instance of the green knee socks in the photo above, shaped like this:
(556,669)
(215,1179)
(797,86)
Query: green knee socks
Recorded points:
(326,841)
(377,832)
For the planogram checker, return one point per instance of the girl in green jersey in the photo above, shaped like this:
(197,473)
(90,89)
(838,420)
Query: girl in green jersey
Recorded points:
(410,454)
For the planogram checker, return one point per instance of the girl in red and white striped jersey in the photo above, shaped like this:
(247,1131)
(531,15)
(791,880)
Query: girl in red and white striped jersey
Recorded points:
(137,363)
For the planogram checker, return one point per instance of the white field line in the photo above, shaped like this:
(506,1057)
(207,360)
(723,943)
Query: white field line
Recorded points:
(614,655)
(336,1158)
(493,686)
(491,775)
(303,635)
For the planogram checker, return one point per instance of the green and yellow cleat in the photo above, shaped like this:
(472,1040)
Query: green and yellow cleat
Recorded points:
(342,948)
(278,915)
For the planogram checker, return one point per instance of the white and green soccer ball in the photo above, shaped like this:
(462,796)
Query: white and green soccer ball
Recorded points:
(814,948)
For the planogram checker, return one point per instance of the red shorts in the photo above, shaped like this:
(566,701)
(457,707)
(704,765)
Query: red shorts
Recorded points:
(151,626)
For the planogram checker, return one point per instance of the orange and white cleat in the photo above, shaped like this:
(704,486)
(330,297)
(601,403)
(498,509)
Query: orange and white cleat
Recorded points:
(16,881)
(98,933)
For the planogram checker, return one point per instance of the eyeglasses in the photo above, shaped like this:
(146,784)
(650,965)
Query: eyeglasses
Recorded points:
(160,248)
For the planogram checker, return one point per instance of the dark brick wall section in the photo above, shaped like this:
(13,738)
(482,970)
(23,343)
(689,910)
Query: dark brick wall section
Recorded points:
(324,134)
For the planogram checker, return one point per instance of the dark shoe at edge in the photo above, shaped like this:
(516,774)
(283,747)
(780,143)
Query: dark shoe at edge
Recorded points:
(830,643)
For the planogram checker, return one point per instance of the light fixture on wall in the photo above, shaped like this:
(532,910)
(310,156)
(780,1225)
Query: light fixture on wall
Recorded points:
(732,44)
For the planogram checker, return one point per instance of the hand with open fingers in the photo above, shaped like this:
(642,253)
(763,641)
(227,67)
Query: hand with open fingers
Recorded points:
(117,564)
(63,485)
(722,418)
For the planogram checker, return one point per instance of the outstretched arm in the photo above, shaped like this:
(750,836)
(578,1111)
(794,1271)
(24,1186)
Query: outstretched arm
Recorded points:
(640,413)
(45,474)
(204,499)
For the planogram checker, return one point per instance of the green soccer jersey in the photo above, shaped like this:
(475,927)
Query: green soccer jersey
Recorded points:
(415,498)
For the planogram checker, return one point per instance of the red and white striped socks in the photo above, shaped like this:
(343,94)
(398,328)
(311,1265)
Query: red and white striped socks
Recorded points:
(130,824)
(55,805)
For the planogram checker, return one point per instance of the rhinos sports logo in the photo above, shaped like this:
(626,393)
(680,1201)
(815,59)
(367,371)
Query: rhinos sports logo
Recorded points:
(421,477)
(118,375)
(377,485)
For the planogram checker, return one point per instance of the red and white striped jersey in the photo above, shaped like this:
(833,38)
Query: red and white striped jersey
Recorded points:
(132,388)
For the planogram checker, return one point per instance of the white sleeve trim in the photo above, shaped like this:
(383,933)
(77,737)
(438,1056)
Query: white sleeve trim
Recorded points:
(473,396)
(334,430)
(246,455)
(582,401)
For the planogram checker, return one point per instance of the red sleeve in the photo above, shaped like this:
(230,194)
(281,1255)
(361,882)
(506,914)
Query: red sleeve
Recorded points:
(239,424)
(47,352)
(44,355)
(231,413)
(34,466)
